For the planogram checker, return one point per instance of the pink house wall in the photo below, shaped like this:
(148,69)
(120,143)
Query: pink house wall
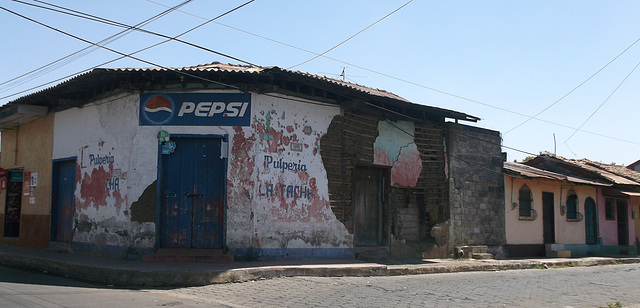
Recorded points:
(608,229)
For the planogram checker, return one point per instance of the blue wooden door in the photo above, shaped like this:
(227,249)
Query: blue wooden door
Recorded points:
(62,199)
(192,194)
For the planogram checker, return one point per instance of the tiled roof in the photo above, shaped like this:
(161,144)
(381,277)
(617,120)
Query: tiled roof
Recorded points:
(613,173)
(529,172)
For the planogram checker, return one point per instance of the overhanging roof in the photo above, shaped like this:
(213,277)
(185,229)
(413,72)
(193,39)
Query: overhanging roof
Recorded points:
(17,114)
(528,172)
(97,83)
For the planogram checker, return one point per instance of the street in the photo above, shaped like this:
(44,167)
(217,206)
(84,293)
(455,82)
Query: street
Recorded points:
(556,287)
(20,288)
(562,287)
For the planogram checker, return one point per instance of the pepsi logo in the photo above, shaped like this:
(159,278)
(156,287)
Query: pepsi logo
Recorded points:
(158,109)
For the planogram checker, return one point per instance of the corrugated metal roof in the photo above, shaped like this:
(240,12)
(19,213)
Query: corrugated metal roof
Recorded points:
(528,172)
(258,70)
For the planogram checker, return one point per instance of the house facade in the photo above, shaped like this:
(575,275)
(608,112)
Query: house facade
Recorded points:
(617,194)
(550,214)
(256,162)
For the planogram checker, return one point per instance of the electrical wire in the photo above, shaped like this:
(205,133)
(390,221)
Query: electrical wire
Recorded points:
(386,75)
(70,58)
(351,37)
(606,100)
(122,54)
(131,54)
(578,86)
(407,81)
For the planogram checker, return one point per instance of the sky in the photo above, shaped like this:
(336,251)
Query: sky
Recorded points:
(550,76)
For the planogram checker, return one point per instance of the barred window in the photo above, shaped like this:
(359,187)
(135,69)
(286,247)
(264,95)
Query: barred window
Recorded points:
(572,205)
(525,201)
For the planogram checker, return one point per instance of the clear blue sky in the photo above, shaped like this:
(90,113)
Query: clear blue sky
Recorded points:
(503,61)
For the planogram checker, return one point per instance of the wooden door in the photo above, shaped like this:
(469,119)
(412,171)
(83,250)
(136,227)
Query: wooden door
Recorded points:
(369,199)
(62,200)
(623,223)
(548,218)
(192,195)
(591,221)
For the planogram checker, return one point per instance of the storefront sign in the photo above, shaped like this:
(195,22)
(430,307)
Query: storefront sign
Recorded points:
(195,109)
(3,173)
(16,175)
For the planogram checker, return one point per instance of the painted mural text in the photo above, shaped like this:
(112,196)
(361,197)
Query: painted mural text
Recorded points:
(209,109)
(284,165)
(112,184)
(100,160)
(285,191)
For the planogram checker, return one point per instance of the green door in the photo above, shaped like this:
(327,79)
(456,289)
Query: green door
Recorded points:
(591,221)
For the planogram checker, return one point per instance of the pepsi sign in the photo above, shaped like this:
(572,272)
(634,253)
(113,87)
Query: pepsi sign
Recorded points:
(195,109)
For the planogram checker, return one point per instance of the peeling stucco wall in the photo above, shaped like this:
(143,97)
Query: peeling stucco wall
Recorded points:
(395,146)
(277,188)
(278,199)
(114,166)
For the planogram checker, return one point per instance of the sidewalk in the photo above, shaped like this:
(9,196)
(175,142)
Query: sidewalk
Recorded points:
(137,273)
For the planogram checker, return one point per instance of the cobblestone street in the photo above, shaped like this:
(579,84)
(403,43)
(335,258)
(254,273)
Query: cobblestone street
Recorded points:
(559,287)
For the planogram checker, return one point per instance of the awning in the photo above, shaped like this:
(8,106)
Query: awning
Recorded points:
(619,192)
(15,115)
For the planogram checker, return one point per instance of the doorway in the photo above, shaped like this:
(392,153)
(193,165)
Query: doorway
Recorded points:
(591,221)
(62,200)
(13,203)
(192,183)
(548,218)
(370,208)
(623,222)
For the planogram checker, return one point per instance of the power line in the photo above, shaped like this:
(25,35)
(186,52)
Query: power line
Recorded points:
(122,54)
(365,29)
(386,75)
(104,41)
(607,99)
(578,86)
(137,28)
(403,80)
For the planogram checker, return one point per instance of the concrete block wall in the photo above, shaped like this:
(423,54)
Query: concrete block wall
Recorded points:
(476,186)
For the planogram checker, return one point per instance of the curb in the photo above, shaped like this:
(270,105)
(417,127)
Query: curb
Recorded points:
(121,276)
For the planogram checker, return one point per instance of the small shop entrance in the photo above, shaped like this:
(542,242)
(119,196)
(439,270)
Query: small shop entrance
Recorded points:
(15,180)
(370,210)
(192,182)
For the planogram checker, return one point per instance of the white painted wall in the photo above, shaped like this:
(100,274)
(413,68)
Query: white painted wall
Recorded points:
(255,218)
(261,213)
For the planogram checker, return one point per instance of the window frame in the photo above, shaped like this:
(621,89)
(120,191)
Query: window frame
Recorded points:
(572,210)
(525,202)
(610,209)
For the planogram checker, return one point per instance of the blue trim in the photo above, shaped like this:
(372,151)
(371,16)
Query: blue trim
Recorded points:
(64,159)
(584,250)
(264,254)
(225,138)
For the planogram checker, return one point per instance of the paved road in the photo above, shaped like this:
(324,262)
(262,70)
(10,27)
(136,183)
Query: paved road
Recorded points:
(30,289)
(560,287)
(563,287)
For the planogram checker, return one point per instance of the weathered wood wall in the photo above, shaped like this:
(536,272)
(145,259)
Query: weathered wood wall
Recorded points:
(349,142)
